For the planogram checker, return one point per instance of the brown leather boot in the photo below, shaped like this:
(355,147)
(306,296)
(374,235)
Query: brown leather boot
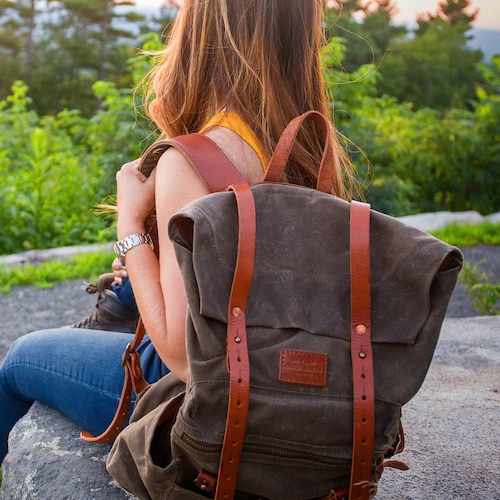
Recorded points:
(110,313)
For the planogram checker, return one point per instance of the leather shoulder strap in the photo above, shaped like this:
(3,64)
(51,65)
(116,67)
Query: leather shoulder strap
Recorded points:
(361,353)
(214,167)
(217,172)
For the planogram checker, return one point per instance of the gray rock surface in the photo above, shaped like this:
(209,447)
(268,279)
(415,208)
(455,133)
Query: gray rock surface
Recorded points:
(451,425)
(437,220)
(49,461)
(452,437)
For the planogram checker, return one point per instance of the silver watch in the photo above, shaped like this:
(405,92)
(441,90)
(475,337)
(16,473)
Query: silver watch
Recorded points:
(123,246)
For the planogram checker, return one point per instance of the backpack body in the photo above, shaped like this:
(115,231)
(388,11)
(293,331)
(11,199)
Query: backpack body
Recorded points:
(295,432)
(299,434)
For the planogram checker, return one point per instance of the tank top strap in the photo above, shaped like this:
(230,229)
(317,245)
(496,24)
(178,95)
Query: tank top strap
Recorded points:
(234,122)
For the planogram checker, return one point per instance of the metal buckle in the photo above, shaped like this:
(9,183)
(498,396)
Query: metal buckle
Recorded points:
(127,354)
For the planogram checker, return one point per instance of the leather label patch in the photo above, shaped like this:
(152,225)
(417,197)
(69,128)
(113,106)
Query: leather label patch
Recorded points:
(301,367)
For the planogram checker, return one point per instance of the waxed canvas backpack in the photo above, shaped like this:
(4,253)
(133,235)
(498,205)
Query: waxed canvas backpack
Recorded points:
(311,322)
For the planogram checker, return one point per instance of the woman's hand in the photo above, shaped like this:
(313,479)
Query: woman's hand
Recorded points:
(119,271)
(135,198)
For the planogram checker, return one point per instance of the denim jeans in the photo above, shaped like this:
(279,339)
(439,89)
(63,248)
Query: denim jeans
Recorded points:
(78,372)
(125,294)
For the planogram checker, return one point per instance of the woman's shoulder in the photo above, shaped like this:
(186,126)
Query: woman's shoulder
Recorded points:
(177,182)
(239,152)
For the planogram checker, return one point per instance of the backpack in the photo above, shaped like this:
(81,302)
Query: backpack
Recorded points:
(311,322)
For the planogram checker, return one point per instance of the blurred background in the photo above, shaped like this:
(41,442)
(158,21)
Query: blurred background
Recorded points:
(415,93)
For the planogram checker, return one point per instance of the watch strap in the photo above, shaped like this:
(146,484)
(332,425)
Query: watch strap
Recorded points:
(123,246)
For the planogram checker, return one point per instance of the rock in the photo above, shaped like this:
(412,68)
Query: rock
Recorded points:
(451,429)
(451,425)
(48,460)
(437,220)
(494,218)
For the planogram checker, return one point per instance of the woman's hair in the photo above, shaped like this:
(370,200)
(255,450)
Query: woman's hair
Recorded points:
(259,58)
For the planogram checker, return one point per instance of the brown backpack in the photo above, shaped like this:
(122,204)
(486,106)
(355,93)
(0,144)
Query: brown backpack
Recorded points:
(311,322)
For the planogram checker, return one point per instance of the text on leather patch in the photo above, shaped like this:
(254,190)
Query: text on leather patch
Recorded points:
(301,367)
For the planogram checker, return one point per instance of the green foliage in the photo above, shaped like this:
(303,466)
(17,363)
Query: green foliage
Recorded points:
(349,91)
(485,295)
(436,69)
(426,160)
(367,41)
(56,169)
(430,140)
(44,275)
(464,236)
(49,184)
(432,67)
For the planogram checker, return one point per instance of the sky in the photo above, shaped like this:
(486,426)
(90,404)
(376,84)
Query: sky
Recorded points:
(488,18)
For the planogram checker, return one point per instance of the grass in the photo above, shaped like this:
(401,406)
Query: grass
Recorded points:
(485,233)
(485,294)
(47,274)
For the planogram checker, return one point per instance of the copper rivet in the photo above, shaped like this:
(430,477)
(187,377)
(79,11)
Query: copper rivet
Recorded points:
(236,312)
(361,329)
(362,354)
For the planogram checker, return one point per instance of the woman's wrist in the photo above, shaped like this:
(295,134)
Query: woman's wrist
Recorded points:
(126,229)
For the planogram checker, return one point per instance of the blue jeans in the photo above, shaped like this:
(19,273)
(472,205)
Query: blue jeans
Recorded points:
(125,294)
(78,372)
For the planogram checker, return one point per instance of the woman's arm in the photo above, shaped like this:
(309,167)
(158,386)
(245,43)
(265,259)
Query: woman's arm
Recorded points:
(158,287)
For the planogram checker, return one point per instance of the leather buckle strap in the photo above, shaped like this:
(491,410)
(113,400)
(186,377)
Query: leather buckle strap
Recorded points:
(337,494)
(205,481)
(237,347)
(131,363)
(361,354)
(216,171)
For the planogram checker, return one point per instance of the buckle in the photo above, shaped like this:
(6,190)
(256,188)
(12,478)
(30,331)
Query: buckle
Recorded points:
(127,354)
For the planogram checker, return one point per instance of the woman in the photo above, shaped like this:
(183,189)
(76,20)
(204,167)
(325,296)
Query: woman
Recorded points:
(239,71)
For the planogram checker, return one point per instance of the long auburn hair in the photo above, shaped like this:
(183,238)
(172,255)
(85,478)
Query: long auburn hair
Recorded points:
(260,58)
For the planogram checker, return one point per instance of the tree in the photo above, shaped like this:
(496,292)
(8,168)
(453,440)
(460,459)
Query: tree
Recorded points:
(77,42)
(366,28)
(95,20)
(455,12)
(83,43)
(18,22)
(165,17)
(379,28)
(435,68)
(348,7)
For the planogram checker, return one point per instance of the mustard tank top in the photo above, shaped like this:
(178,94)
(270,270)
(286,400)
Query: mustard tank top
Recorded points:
(234,122)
